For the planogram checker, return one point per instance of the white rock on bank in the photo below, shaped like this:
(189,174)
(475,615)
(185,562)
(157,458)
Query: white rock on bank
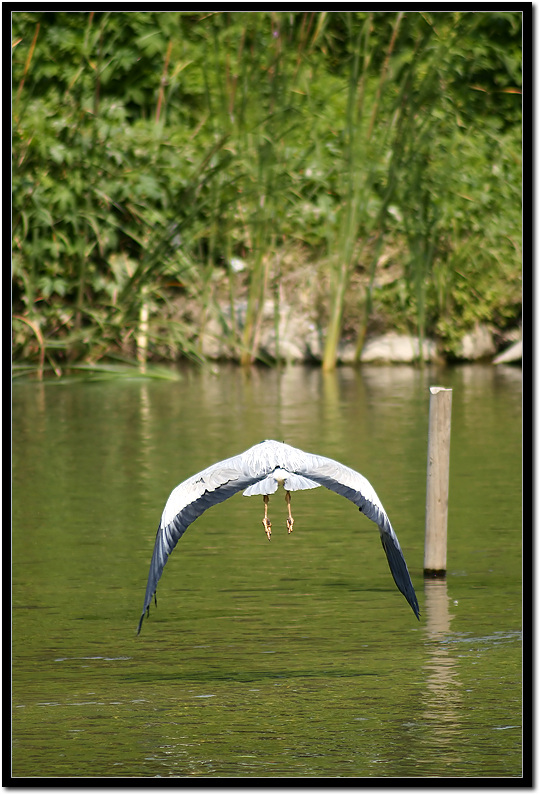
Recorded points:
(399,348)
(213,341)
(477,344)
(511,354)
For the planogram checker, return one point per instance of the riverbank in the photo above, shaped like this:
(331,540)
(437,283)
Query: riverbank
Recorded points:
(291,321)
(290,324)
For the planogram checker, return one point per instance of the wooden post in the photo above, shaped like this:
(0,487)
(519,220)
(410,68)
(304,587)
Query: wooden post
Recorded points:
(438,469)
(142,335)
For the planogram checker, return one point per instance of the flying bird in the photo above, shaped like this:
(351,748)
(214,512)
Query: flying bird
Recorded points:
(261,470)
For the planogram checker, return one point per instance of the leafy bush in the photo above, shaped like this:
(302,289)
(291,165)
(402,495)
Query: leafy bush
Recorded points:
(150,148)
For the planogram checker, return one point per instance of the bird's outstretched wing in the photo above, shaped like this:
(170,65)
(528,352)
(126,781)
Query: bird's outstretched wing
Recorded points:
(358,489)
(219,482)
(187,502)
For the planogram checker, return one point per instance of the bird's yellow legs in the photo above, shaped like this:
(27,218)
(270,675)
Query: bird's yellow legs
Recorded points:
(290,520)
(267,524)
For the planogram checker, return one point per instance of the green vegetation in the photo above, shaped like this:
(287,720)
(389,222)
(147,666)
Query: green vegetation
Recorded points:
(151,149)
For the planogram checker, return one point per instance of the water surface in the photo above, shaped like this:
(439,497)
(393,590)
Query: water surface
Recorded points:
(296,657)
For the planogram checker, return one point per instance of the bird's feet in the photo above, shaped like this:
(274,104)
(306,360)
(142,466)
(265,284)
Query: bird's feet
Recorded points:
(290,520)
(267,524)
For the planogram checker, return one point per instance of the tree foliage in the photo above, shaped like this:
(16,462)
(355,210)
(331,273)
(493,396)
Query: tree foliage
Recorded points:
(150,148)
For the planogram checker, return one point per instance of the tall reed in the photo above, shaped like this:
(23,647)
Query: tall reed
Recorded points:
(361,162)
(259,104)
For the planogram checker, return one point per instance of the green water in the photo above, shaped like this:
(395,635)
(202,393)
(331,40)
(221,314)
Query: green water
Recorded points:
(294,658)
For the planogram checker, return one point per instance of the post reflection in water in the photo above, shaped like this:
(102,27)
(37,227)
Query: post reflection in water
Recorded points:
(442,694)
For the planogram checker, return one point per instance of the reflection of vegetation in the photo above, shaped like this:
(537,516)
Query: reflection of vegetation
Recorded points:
(151,148)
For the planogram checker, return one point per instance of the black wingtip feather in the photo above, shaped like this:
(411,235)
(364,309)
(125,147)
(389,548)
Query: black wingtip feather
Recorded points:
(400,572)
(147,611)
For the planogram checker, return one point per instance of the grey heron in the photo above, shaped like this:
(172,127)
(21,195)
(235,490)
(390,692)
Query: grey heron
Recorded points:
(261,470)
